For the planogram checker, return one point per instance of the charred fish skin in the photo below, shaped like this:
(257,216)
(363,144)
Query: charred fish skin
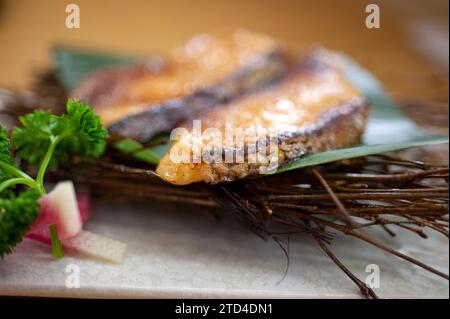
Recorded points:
(324,112)
(165,116)
(139,102)
(338,130)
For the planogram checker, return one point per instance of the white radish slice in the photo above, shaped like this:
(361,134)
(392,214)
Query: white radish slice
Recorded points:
(63,203)
(59,207)
(95,246)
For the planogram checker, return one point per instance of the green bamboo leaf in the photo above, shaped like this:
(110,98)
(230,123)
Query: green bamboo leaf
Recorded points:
(358,151)
(73,65)
(128,145)
(151,155)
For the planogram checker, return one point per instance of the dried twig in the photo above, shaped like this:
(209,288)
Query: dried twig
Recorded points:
(367,292)
(346,216)
(413,196)
(273,202)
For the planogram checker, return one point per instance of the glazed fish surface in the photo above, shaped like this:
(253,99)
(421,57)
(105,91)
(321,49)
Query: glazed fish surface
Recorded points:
(313,109)
(206,72)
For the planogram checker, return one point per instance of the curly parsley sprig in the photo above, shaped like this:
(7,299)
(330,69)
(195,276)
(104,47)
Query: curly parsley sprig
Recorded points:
(44,140)
(17,213)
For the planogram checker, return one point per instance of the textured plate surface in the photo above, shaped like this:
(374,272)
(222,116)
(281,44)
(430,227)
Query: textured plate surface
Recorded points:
(184,253)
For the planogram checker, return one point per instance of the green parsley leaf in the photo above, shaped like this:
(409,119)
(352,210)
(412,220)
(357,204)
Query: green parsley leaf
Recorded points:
(17,214)
(5,153)
(33,139)
(44,139)
(78,132)
(84,134)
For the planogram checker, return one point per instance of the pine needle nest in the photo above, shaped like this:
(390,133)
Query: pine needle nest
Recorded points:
(346,197)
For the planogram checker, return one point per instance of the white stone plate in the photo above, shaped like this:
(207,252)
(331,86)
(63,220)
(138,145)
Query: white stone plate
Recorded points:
(177,252)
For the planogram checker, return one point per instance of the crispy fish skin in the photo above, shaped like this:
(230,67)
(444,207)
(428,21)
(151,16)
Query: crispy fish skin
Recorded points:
(205,73)
(314,109)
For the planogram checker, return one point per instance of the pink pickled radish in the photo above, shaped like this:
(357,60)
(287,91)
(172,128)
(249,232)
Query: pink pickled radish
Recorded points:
(60,207)
(69,212)
(84,206)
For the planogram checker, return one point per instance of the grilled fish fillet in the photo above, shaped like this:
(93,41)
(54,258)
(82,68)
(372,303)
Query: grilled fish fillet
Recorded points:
(313,109)
(206,72)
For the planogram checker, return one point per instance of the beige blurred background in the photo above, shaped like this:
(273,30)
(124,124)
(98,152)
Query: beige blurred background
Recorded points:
(407,52)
